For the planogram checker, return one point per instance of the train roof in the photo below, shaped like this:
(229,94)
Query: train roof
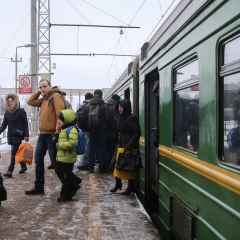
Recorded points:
(124,77)
(184,12)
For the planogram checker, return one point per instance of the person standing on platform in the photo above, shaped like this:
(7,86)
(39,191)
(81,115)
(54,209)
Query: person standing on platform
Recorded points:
(15,118)
(67,154)
(97,131)
(51,103)
(127,157)
(112,116)
(82,122)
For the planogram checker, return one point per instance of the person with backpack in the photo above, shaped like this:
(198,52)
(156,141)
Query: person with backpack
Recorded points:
(112,116)
(97,131)
(67,154)
(82,123)
(50,102)
(15,118)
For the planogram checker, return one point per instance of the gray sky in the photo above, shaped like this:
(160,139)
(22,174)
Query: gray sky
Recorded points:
(79,72)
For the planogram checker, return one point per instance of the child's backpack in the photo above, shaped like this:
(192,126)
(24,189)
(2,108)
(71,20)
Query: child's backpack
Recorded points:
(94,118)
(3,192)
(81,144)
(233,139)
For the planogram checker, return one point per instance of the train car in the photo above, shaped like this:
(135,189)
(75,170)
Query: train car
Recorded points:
(189,112)
(127,85)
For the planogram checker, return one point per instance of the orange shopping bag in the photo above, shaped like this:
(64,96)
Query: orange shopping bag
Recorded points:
(25,153)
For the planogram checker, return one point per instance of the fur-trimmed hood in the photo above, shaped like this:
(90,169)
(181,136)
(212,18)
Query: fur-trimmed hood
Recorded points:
(15,98)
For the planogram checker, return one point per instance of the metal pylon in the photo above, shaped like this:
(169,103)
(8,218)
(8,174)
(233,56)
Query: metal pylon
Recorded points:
(44,57)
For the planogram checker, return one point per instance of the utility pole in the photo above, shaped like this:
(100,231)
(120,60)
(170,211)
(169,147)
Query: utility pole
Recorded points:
(16,61)
(44,57)
(34,61)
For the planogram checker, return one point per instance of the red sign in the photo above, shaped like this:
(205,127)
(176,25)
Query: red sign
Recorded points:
(25,85)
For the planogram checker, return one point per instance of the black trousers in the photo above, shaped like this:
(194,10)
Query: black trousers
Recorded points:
(68,179)
(14,149)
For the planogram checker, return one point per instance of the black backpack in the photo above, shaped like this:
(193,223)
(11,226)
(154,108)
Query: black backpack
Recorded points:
(3,192)
(94,117)
(82,117)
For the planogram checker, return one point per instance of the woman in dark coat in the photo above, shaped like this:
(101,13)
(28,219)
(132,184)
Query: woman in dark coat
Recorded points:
(15,118)
(128,142)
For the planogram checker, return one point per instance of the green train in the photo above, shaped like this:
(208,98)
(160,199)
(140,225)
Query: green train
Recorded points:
(185,89)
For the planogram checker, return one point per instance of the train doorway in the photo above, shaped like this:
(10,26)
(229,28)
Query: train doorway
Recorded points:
(152,141)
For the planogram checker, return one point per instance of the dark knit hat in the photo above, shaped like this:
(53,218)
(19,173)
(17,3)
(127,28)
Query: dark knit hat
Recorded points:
(115,97)
(98,92)
(88,96)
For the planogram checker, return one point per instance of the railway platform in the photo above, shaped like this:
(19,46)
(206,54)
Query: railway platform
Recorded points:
(95,214)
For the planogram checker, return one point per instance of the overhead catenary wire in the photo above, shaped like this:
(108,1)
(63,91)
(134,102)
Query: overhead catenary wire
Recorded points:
(15,33)
(90,25)
(93,54)
(161,18)
(104,11)
(130,22)
(69,2)
(137,11)
(159,2)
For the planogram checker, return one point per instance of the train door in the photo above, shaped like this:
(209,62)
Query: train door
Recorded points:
(152,139)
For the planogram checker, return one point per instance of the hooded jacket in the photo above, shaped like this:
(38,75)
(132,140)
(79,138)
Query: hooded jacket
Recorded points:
(16,121)
(66,146)
(50,106)
(128,127)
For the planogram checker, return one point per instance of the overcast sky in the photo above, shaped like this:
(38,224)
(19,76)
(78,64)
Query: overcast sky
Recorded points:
(80,72)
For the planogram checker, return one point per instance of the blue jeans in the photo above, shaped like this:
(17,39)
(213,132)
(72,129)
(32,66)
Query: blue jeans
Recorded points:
(45,142)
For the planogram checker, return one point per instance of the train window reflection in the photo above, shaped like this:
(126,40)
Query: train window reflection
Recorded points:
(187,118)
(186,105)
(231,123)
(231,51)
(187,73)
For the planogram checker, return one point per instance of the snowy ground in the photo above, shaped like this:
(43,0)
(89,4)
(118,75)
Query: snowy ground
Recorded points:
(94,215)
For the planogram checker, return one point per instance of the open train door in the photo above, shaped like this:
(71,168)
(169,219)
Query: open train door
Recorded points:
(152,140)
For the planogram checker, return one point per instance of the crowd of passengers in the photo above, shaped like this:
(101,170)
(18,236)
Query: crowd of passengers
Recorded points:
(110,131)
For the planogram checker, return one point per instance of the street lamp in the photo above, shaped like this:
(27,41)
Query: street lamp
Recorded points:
(20,60)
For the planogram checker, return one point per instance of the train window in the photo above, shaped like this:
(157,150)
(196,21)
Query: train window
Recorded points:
(230,107)
(231,51)
(186,106)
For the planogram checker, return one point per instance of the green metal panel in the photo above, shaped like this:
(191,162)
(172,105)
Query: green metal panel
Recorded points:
(219,216)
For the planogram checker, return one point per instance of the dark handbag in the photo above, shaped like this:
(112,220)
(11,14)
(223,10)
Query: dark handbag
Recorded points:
(127,161)
(3,192)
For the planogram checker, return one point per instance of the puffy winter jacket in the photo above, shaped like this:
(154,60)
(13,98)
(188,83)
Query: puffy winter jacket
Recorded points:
(66,146)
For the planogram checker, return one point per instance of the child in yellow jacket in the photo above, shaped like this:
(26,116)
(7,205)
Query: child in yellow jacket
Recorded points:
(67,154)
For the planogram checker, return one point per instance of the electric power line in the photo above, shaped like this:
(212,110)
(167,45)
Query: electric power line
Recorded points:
(160,5)
(130,22)
(161,18)
(103,11)
(15,33)
(137,11)
(69,2)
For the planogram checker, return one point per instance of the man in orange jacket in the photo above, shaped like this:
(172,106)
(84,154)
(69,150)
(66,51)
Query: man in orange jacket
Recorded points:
(51,102)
